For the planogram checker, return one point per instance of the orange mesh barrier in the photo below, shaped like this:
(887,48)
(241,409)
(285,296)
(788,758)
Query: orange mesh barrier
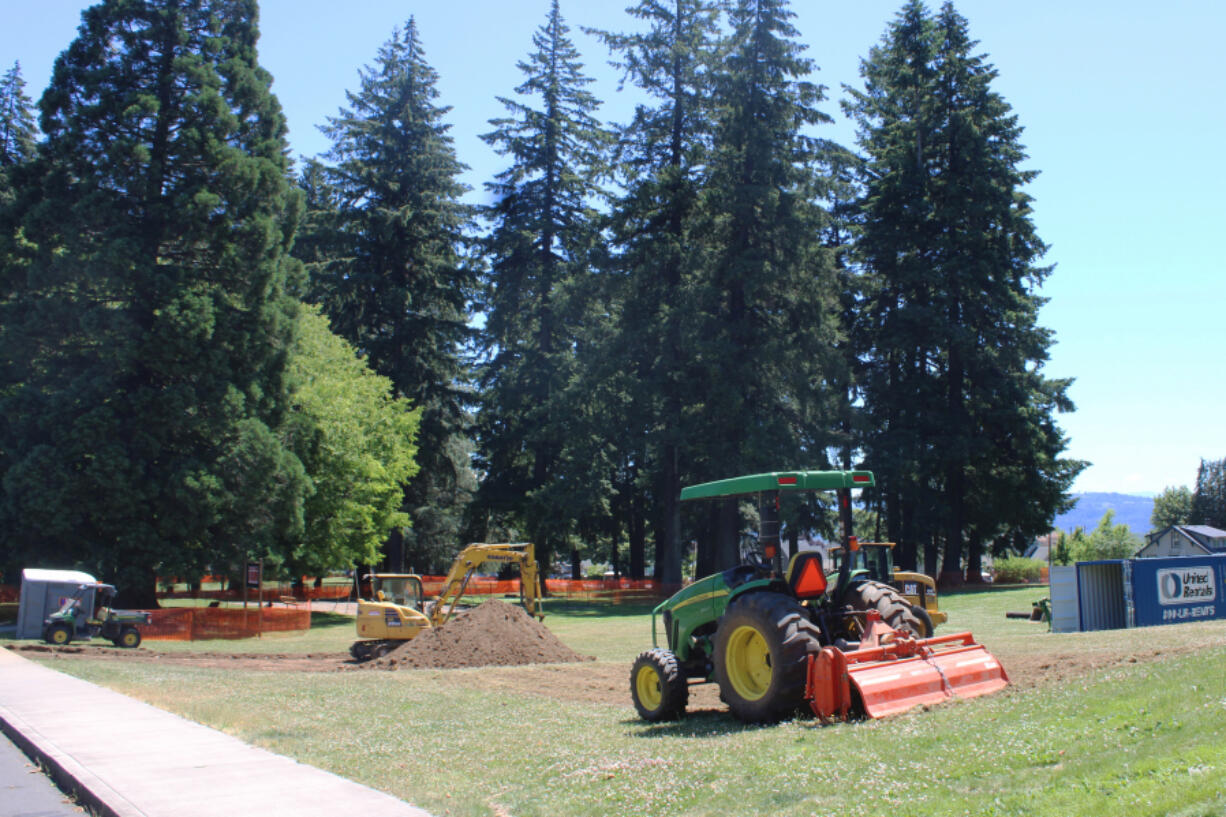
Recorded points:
(609,589)
(200,623)
(9,594)
(615,590)
(271,590)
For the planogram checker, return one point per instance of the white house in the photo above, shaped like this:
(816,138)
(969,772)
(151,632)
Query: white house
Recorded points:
(1184,540)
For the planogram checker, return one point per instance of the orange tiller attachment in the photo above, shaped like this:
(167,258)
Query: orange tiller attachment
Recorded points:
(892,673)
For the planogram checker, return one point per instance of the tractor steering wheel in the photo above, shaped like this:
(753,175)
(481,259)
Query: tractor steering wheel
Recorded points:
(758,561)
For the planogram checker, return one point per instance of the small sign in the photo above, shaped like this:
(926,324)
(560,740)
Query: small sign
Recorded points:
(1189,585)
(253,574)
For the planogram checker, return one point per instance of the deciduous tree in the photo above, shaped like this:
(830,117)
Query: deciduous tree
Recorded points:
(1171,507)
(356,440)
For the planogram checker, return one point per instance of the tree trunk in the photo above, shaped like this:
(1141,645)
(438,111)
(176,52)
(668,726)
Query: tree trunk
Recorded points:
(136,588)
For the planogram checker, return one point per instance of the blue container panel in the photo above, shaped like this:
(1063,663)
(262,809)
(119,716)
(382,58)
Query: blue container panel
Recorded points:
(1168,591)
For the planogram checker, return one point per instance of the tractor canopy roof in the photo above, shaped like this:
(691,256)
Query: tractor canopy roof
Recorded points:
(780,481)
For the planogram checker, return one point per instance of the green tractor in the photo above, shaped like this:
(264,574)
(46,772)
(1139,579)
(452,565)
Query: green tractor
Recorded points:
(90,604)
(753,629)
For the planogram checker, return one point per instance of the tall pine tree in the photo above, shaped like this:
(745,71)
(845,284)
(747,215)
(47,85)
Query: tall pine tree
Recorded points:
(387,241)
(766,297)
(1209,495)
(18,131)
(151,341)
(963,436)
(544,230)
(660,159)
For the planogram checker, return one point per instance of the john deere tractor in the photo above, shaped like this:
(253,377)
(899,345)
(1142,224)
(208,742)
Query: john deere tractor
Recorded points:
(752,629)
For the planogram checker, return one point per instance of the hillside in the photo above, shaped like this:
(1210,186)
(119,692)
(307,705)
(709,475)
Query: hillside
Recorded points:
(1134,511)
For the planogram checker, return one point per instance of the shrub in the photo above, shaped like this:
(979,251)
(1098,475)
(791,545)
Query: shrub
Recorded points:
(1015,569)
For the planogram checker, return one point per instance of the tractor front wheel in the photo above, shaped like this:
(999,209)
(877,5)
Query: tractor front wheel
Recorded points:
(58,634)
(924,619)
(762,647)
(658,688)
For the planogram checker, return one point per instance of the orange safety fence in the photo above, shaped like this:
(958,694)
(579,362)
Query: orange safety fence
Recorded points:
(271,590)
(9,594)
(200,623)
(611,589)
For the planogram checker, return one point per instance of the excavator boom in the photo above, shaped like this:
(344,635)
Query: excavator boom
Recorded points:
(475,556)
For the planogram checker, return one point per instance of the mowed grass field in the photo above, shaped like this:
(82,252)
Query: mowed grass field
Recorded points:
(1133,738)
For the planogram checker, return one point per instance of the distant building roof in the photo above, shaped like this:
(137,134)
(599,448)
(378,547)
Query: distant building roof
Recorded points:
(1210,538)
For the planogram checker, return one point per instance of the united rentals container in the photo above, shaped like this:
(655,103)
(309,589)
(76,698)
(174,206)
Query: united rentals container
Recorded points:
(1117,593)
(1175,589)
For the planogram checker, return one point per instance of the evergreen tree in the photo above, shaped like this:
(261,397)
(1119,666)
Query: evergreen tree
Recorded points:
(660,157)
(386,241)
(968,450)
(150,346)
(17,145)
(1209,496)
(767,306)
(18,131)
(544,229)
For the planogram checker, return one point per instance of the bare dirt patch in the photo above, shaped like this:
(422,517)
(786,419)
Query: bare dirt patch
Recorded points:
(1029,670)
(301,662)
(520,656)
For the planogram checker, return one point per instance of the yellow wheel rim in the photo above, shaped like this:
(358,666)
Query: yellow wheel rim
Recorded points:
(128,639)
(59,635)
(748,661)
(647,687)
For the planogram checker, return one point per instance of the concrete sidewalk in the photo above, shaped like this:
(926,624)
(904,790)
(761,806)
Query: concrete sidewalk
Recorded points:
(126,758)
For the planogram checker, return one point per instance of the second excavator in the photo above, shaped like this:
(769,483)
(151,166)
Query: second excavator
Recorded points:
(397,611)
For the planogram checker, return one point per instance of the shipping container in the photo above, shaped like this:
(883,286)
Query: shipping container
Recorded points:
(1119,593)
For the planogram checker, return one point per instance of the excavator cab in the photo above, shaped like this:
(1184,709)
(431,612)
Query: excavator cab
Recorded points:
(403,590)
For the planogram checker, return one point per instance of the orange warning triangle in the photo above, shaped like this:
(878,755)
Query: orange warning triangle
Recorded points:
(812,580)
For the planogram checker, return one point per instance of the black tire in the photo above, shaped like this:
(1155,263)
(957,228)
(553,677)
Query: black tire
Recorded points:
(895,610)
(658,687)
(762,649)
(129,638)
(58,634)
(925,619)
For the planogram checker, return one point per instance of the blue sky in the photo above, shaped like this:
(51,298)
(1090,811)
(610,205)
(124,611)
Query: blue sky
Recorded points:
(1122,104)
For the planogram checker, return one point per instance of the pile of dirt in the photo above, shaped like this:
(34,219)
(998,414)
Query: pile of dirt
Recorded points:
(492,634)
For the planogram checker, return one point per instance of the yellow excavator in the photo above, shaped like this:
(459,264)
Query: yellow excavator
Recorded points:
(398,612)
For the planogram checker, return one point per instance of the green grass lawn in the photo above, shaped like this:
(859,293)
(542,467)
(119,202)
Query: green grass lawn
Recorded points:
(1146,738)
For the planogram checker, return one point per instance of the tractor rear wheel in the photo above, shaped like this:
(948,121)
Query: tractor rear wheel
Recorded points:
(762,649)
(657,686)
(895,610)
(129,637)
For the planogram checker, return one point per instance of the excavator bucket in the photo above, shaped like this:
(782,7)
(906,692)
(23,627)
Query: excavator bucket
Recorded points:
(892,673)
